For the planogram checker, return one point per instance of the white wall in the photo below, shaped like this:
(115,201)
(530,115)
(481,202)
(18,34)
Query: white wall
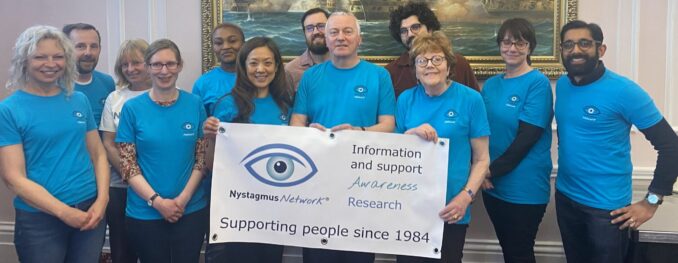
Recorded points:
(642,44)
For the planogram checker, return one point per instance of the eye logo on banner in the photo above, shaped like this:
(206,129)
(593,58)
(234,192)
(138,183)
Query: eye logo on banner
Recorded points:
(280,165)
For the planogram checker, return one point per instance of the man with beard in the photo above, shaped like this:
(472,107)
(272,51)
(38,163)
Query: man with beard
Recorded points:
(407,22)
(96,85)
(595,109)
(313,24)
(227,39)
(362,100)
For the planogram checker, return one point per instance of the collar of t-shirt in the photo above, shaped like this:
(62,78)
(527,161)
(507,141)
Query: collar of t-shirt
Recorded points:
(85,83)
(596,74)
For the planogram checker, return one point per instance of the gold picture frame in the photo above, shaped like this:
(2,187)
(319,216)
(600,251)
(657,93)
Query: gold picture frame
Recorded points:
(563,11)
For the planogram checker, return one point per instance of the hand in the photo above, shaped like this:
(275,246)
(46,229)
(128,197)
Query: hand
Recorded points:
(633,216)
(96,214)
(344,126)
(487,184)
(74,217)
(456,209)
(317,126)
(210,127)
(169,209)
(182,201)
(424,131)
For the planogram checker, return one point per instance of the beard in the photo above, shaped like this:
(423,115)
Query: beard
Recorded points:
(587,67)
(86,69)
(317,48)
(408,43)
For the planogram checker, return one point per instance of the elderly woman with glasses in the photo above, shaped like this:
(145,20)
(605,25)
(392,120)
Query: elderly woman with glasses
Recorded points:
(51,155)
(438,107)
(161,158)
(519,106)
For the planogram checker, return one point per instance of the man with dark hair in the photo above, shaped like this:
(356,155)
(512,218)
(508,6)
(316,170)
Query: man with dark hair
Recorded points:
(595,109)
(407,22)
(96,85)
(313,25)
(227,39)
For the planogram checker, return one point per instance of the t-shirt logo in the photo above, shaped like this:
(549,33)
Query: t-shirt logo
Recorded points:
(590,113)
(360,92)
(513,101)
(188,129)
(283,117)
(79,117)
(450,116)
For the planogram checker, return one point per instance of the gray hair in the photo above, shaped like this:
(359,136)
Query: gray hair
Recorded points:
(26,46)
(344,13)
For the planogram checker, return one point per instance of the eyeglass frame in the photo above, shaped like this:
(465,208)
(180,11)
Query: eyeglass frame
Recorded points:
(525,44)
(414,28)
(417,59)
(310,28)
(172,65)
(579,44)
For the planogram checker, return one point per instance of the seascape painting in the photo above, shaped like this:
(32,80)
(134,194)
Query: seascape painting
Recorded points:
(470,24)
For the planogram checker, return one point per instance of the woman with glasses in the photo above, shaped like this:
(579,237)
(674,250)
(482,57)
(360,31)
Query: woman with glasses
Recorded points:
(51,155)
(519,106)
(261,95)
(161,158)
(133,80)
(438,107)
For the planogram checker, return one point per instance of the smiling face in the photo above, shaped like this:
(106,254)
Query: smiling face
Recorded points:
(581,61)
(315,39)
(226,42)
(261,67)
(514,51)
(342,36)
(133,68)
(431,75)
(165,77)
(46,65)
(87,49)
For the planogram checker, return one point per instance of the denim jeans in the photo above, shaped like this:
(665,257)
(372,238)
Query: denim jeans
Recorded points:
(43,238)
(588,235)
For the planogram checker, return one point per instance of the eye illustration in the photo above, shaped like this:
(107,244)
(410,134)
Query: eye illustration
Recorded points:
(591,110)
(280,165)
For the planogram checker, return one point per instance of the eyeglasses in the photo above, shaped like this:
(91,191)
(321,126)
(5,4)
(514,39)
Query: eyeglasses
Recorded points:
(519,44)
(319,26)
(158,66)
(584,44)
(414,28)
(423,62)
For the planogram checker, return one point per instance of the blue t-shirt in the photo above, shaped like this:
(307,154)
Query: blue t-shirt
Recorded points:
(594,152)
(526,98)
(358,96)
(53,131)
(459,115)
(266,111)
(165,139)
(213,85)
(97,91)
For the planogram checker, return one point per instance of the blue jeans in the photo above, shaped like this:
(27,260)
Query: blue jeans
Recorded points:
(43,238)
(588,235)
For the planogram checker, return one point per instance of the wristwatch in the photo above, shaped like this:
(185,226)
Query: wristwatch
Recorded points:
(150,200)
(654,199)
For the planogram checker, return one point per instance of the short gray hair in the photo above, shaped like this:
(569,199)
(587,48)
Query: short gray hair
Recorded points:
(345,13)
(26,46)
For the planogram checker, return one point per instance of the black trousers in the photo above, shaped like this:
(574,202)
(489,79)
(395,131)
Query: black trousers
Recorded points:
(115,217)
(243,253)
(315,255)
(516,226)
(454,236)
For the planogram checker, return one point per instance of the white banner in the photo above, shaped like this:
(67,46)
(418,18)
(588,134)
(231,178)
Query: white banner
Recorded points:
(349,190)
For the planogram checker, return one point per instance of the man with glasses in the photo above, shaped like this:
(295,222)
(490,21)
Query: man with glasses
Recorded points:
(344,93)
(595,109)
(407,22)
(96,85)
(313,24)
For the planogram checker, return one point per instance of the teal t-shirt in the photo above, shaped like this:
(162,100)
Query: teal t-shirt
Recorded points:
(97,91)
(213,85)
(52,131)
(165,139)
(459,115)
(526,98)
(358,96)
(266,111)
(594,149)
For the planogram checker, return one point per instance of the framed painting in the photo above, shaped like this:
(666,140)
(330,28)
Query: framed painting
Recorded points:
(470,24)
